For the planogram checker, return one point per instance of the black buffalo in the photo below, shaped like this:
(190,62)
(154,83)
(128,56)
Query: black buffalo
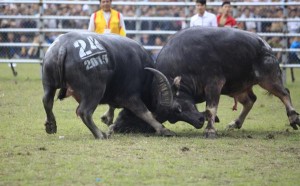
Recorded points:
(102,69)
(203,63)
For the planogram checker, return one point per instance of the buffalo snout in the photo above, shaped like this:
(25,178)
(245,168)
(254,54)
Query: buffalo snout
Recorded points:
(200,123)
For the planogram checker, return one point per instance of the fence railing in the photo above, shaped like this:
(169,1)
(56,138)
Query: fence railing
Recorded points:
(138,18)
(149,3)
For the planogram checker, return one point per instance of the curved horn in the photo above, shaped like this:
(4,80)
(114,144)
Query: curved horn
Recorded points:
(166,96)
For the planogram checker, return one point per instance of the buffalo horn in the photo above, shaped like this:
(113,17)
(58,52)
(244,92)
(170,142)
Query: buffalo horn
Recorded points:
(165,91)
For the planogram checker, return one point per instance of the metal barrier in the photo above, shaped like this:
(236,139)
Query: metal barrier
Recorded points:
(138,18)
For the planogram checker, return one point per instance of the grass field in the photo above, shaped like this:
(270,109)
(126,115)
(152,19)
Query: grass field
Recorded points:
(266,151)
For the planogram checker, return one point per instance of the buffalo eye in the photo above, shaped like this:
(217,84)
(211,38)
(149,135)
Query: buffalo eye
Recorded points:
(178,109)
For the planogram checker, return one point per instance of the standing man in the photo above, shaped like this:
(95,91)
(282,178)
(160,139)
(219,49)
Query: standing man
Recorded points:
(203,18)
(107,20)
(225,19)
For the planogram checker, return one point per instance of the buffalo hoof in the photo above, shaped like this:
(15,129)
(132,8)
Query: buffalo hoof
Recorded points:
(166,132)
(234,125)
(110,131)
(107,120)
(296,121)
(101,136)
(210,133)
(231,127)
(51,128)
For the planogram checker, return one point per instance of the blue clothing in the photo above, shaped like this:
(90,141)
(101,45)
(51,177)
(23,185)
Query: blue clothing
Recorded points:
(293,58)
(295,44)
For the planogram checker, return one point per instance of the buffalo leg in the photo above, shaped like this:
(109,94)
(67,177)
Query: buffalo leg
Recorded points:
(247,99)
(235,104)
(85,110)
(140,110)
(48,100)
(212,92)
(283,94)
(108,116)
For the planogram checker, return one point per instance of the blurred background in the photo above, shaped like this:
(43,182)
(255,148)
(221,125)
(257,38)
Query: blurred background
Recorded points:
(28,27)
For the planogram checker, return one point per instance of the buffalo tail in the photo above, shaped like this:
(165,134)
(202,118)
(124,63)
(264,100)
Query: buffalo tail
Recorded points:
(61,71)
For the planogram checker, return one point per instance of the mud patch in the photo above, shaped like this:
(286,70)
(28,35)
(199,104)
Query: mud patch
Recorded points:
(184,149)
(270,136)
(42,148)
(23,153)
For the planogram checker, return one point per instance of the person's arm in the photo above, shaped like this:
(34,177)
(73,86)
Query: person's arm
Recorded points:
(234,23)
(122,26)
(33,50)
(214,21)
(92,23)
(192,22)
(222,20)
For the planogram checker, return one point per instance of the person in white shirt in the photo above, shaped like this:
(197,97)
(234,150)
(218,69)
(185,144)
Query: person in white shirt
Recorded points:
(293,27)
(203,18)
(248,25)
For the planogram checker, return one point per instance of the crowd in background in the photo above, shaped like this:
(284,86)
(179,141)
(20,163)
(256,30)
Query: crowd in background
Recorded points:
(130,11)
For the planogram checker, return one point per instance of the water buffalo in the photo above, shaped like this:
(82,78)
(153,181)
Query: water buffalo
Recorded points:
(102,69)
(203,63)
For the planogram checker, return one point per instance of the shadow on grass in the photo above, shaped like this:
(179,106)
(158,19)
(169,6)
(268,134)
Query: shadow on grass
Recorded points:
(194,133)
(242,134)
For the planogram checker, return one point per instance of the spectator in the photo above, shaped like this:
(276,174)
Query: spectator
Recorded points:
(159,41)
(224,19)
(277,26)
(34,51)
(165,25)
(107,20)
(294,27)
(50,23)
(146,11)
(248,25)
(24,49)
(203,18)
(294,57)
(145,40)
(131,11)
(257,14)
(50,37)
(266,25)
(276,42)
(3,49)
(130,25)
(12,52)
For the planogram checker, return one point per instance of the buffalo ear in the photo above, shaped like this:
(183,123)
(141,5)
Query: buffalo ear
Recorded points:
(177,81)
(178,108)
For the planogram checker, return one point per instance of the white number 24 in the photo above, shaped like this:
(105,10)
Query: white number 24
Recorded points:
(83,51)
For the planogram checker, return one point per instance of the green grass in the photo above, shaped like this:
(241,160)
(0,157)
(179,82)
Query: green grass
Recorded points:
(266,151)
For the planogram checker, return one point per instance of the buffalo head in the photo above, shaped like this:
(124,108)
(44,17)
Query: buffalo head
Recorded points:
(183,108)
(166,105)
